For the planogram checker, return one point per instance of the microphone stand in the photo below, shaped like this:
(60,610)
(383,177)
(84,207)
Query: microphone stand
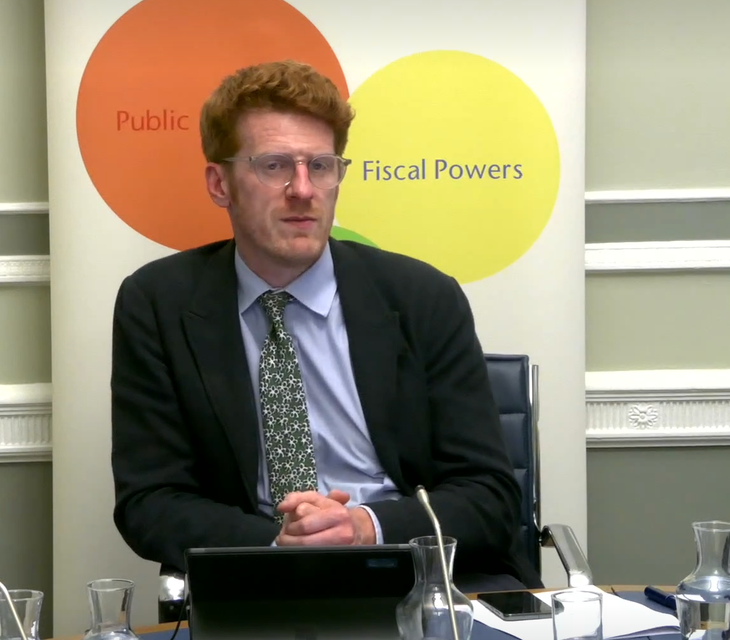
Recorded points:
(423,499)
(13,611)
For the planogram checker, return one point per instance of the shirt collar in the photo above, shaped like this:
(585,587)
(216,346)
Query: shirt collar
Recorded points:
(315,288)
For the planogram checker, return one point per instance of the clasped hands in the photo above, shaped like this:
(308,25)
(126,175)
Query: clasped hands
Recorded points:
(311,518)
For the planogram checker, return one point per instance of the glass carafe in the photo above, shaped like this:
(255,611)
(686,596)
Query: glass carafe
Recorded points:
(110,601)
(424,612)
(703,597)
(27,605)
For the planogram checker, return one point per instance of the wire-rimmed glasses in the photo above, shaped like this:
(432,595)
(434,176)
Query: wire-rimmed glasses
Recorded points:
(325,171)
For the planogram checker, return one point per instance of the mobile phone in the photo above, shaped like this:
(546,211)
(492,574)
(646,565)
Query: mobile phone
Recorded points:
(515,605)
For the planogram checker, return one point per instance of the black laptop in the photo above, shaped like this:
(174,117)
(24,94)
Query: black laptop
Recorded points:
(297,593)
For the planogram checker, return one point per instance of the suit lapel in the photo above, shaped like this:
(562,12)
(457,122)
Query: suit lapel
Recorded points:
(212,325)
(376,341)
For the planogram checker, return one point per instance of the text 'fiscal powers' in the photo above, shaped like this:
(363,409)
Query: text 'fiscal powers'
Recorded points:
(438,169)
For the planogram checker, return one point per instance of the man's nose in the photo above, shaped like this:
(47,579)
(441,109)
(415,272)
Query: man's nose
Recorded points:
(300,185)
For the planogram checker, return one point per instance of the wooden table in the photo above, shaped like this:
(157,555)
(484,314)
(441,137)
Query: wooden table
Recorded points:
(169,626)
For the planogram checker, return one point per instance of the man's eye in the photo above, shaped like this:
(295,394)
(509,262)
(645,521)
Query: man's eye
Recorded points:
(322,165)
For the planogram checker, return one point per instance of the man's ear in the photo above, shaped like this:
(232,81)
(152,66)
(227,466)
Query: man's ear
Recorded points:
(216,181)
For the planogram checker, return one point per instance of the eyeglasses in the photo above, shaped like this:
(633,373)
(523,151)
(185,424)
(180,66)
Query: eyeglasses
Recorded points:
(277,169)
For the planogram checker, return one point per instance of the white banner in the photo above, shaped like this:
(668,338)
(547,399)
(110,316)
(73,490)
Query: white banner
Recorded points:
(467,152)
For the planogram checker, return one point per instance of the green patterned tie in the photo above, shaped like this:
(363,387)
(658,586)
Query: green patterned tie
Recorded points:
(287,435)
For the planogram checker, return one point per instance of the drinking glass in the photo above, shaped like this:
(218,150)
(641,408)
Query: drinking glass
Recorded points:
(110,602)
(577,615)
(27,605)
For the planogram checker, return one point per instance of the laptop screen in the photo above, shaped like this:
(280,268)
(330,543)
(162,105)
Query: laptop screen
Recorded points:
(297,592)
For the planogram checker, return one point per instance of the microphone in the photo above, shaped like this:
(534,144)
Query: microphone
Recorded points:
(423,499)
(13,611)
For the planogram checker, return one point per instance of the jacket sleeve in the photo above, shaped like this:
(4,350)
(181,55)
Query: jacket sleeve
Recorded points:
(160,507)
(473,490)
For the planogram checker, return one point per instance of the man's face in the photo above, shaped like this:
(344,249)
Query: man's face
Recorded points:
(279,230)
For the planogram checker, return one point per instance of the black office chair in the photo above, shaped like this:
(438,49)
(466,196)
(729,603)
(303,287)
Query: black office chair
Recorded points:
(515,388)
(514,385)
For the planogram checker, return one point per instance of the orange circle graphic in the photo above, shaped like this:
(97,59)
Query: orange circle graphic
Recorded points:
(140,97)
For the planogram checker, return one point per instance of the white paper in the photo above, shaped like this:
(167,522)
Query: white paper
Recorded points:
(621,619)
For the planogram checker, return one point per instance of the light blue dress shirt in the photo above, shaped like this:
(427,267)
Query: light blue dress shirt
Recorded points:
(344,454)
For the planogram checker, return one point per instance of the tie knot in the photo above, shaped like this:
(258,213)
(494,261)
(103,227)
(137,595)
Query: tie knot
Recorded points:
(273,303)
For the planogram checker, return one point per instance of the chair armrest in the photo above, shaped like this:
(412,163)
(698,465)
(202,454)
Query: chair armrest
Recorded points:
(562,538)
(171,595)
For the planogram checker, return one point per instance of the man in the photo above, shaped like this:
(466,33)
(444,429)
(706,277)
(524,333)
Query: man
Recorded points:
(285,388)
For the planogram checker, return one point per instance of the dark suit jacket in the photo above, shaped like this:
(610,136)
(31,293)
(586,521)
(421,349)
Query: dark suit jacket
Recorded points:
(184,426)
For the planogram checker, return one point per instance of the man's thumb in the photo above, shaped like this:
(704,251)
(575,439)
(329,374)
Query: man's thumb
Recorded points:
(339,496)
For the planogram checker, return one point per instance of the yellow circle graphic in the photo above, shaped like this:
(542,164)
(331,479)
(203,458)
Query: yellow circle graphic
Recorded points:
(455,162)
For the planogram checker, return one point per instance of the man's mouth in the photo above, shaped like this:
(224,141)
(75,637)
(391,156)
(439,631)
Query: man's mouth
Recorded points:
(300,221)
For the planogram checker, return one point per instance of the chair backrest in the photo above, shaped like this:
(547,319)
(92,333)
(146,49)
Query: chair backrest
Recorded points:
(514,386)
